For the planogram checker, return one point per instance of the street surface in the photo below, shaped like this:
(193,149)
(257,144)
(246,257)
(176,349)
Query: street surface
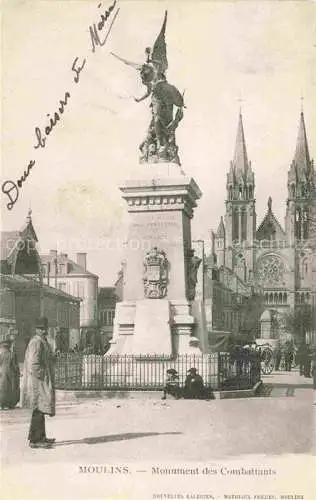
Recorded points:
(120,432)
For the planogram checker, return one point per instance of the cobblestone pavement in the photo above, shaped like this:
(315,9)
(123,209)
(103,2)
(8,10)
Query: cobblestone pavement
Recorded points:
(280,421)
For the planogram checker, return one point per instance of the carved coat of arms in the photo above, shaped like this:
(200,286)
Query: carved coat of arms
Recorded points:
(155,274)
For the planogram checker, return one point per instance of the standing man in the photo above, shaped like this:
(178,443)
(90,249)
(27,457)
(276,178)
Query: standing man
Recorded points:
(9,375)
(308,362)
(38,391)
(288,356)
(300,356)
(278,356)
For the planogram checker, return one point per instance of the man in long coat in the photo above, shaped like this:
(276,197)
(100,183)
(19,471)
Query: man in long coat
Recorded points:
(38,391)
(9,375)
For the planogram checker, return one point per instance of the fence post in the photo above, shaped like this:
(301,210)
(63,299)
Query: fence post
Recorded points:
(219,371)
(66,371)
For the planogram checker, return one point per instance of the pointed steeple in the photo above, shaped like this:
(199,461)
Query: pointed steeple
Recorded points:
(301,157)
(29,216)
(220,233)
(28,230)
(240,161)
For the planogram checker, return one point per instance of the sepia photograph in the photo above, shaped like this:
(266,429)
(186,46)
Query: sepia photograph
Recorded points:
(158,250)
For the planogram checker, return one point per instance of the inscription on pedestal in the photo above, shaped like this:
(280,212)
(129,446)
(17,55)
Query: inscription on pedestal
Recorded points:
(156,227)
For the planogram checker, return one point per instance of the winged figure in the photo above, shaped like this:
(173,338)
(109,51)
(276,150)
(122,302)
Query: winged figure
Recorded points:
(159,144)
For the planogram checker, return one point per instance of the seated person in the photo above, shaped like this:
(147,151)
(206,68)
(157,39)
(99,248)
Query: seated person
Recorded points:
(172,384)
(194,385)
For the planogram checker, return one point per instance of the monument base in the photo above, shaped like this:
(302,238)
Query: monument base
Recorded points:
(154,327)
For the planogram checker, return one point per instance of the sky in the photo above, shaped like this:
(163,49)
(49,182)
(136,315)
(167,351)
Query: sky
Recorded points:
(259,55)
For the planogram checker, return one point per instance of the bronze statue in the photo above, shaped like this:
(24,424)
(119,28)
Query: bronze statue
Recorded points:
(193,267)
(159,144)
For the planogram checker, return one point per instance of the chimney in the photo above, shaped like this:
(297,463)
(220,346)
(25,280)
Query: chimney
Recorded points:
(82,260)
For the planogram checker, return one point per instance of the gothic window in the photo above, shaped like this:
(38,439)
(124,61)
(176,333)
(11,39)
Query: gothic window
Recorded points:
(235,226)
(298,223)
(266,297)
(285,298)
(240,192)
(270,233)
(243,226)
(230,191)
(106,316)
(250,192)
(293,190)
(304,271)
(271,298)
(270,269)
(280,298)
(305,224)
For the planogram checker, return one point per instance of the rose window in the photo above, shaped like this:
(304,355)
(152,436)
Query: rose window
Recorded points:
(270,269)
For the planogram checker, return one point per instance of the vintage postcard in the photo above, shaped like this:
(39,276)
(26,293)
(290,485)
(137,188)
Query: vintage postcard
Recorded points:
(158,250)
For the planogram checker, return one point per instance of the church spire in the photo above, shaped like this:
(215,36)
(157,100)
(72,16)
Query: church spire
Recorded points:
(301,156)
(240,161)
(29,216)
(220,233)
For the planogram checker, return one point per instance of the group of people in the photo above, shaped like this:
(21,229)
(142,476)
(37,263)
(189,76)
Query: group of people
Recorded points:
(287,352)
(194,387)
(302,356)
(38,388)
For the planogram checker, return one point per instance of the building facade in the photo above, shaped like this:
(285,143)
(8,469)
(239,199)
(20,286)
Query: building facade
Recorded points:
(72,277)
(107,300)
(280,261)
(25,297)
(225,304)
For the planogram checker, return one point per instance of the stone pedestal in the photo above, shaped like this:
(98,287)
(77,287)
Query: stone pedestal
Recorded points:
(155,315)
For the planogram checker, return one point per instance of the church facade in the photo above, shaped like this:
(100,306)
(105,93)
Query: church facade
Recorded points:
(278,260)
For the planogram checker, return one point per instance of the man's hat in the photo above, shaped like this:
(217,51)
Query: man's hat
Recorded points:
(192,370)
(172,371)
(42,323)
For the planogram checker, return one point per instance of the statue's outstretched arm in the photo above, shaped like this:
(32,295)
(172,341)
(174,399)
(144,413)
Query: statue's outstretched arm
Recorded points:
(145,95)
(128,63)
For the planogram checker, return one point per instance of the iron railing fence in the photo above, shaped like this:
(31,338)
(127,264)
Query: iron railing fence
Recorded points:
(75,371)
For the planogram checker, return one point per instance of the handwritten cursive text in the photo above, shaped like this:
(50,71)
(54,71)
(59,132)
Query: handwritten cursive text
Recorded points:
(96,29)
(98,36)
(77,69)
(41,139)
(11,189)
